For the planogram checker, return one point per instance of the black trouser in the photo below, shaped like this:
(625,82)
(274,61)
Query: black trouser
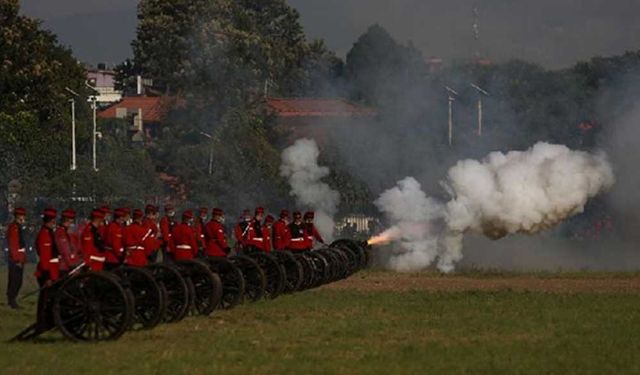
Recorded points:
(15,281)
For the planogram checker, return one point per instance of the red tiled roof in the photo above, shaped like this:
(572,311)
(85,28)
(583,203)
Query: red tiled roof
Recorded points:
(154,108)
(306,107)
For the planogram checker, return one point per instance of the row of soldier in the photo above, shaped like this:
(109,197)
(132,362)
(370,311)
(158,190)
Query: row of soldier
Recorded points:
(135,237)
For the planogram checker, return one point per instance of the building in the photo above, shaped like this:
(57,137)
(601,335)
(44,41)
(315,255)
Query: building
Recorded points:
(103,81)
(143,113)
(311,117)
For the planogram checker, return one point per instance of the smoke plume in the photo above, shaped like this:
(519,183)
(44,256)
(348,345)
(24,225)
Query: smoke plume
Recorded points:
(300,167)
(517,192)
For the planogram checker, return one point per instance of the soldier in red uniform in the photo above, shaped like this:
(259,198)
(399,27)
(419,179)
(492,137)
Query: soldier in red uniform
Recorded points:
(150,222)
(48,269)
(126,216)
(241,229)
(17,255)
(106,211)
(167,222)
(297,241)
(215,235)
(254,238)
(266,233)
(310,229)
(112,240)
(69,257)
(198,227)
(134,239)
(281,231)
(92,244)
(183,243)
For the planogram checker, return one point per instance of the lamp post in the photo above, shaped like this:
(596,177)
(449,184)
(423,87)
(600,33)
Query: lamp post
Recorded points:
(452,98)
(74,165)
(210,152)
(481,93)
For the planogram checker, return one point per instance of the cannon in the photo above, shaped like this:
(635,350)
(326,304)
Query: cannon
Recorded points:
(98,306)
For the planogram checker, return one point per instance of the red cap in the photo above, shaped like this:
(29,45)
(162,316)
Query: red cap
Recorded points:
(203,210)
(119,212)
(150,209)
(105,209)
(297,214)
(217,212)
(138,214)
(97,214)
(284,214)
(69,213)
(309,215)
(126,210)
(259,210)
(188,214)
(269,219)
(168,207)
(20,211)
(49,213)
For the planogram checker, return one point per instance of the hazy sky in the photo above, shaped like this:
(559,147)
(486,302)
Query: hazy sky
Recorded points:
(551,32)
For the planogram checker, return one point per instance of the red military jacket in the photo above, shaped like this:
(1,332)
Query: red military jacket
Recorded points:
(215,239)
(17,247)
(133,240)
(198,228)
(254,235)
(312,233)
(92,250)
(49,260)
(69,257)
(183,243)
(114,250)
(298,240)
(281,235)
(166,227)
(241,232)
(266,236)
(151,224)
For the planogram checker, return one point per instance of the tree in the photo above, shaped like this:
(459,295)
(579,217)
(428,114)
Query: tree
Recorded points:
(380,69)
(34,68)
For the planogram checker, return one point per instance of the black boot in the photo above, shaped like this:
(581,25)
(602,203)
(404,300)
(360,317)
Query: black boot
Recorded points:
(14,305)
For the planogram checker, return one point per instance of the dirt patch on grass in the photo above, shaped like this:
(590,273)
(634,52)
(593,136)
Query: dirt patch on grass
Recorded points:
(381,281)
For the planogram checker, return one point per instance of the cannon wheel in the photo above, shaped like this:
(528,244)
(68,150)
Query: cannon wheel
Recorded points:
(320,267)
(255,280)
(92,307)
(233,284)
(357,249)
(274,273)
(205,287)
(177,291)
(308,274)
(148,295)
(293,270)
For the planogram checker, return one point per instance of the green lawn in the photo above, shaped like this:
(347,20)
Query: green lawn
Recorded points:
(347,332)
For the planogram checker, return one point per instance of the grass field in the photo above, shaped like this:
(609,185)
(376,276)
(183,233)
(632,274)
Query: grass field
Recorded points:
(376,323)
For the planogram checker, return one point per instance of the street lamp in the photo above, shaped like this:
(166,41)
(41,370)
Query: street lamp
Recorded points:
(452,98)
(481,92)
(74,166)
(210,152)
(94,106)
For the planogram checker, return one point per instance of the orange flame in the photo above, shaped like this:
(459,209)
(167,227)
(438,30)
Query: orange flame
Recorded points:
(383,238)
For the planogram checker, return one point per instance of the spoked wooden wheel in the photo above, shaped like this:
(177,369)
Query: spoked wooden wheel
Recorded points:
(92,307)
(177,291)
(205,286)
(308,275)
(233,284)
(149,298)
(274,273)
(293,270)
(320,267)
(254,278)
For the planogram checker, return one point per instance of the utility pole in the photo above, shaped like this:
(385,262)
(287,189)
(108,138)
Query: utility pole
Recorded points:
(74,166)
(94,133)
(210,153)
(452,98)
(481,93)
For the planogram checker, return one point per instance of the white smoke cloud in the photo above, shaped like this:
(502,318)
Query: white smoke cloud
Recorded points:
(300,167)
(516,192)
